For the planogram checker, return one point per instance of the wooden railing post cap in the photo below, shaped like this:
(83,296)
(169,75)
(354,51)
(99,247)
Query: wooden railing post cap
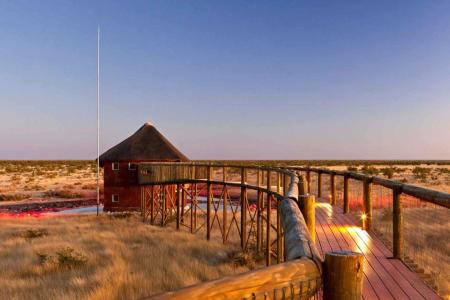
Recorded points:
(343,275)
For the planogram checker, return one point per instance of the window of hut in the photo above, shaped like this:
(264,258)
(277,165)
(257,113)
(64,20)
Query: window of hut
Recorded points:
(115,166)
(115,198)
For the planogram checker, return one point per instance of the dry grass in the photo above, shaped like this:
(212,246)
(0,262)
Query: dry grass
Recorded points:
(426,241)
(103,258)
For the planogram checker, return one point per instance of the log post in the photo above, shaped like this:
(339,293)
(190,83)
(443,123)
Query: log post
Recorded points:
(333,188)
(343,275)
(302,185)
(346,202)
(367,191)
(224,213)
(178,195)
(208,202)
(243,207)
(308,180)
(279,238)
(268,224)
(183,202)
(306,204)
(319,184)
(258,214)
(269,204)
(397,222)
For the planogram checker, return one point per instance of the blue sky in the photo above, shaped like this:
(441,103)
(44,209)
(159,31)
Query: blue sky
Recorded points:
(228,80)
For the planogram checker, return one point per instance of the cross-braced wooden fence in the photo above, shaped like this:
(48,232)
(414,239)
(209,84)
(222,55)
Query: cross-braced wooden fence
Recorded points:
(260,206)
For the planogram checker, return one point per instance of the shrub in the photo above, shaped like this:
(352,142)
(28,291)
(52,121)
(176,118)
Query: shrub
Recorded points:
(34,233)
(421,173)
(369,170)
(62,194)
(42,257)
(69,258)
(352,168)
(388,172)
(13,197)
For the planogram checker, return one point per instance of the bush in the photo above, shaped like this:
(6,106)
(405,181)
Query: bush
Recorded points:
(421,173)
(388,172)
(369,170)
(34,233)
(42,257)
(62,194)
(13,197)
(70,258)
(352,168)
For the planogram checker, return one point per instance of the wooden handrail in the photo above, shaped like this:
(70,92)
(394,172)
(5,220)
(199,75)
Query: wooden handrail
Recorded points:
(425,194)
(257,283)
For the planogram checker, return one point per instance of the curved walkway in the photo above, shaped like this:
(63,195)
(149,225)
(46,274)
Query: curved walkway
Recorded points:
(385,278)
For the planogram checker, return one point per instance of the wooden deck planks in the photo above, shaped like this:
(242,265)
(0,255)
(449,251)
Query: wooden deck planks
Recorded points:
(373,285)
(413,286)
(385,278)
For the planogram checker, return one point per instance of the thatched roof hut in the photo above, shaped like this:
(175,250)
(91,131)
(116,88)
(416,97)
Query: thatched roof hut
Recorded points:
(146,144)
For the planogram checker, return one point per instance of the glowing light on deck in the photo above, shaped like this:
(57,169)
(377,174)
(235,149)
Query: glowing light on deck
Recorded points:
(362,241)
(327,207)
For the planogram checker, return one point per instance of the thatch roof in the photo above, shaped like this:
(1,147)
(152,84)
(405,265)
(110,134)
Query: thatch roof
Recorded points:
(146,144)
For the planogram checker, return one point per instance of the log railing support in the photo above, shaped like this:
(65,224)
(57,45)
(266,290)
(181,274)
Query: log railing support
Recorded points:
(208,202)
(178,195)
(302,185)
(306,204)
(243,207)
(279,239)
(224,213)
(397,223)
(333,188)
(343,275)
(308,180)
(367,193)
(346,202)
(183,202)
(258,214)
(268,225)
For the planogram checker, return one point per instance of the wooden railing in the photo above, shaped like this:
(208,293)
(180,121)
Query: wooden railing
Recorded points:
(262,205)
(412,220)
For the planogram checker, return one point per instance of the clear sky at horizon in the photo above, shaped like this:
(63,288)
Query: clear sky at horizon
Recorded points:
(229,79)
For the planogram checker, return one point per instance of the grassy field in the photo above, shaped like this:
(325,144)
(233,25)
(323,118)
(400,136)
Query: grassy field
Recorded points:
(104,258)
(82,257)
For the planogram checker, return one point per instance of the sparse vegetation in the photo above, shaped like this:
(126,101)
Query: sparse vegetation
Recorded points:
(107,258)
(62,194)
(13,197)
(34,233)
(388,172)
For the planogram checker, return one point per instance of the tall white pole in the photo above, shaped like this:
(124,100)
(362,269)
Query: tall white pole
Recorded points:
(98,120)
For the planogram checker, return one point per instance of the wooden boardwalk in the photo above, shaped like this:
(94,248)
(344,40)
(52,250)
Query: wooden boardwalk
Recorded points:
(385,278)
